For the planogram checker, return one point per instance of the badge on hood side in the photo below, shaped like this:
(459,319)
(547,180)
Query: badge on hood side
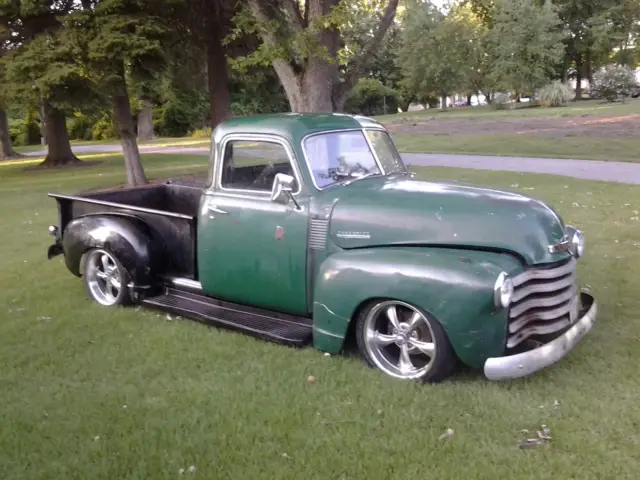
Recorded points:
(358,235)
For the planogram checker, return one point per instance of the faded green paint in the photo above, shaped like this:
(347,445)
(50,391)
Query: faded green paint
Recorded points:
(402,248)
(399,210)
(254,254)
(455,286)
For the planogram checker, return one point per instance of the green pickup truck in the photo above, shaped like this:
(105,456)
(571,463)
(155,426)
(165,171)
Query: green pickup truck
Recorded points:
(311,230)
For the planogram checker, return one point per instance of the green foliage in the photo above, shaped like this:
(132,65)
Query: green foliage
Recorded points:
(105,128)
(184,111)
(46,67)
(201,133)
(25,131)
(525,43)
(555,94)
(258,91)
(431,56)
(120,32)
(474,46)
(503,101)
(80,126)
(614,83)
(370,97)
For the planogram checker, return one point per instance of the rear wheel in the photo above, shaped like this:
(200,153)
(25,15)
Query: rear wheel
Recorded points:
(106,279)
(404,342)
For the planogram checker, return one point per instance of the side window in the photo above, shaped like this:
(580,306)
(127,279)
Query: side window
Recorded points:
(253,165)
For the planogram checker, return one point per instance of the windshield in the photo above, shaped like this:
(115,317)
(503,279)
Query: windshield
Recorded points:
(345,155)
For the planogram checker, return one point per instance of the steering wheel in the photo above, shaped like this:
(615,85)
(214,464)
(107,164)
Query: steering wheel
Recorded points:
(268,170)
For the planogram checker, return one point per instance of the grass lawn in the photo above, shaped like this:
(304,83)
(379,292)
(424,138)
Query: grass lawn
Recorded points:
(574,109)
(589,130)
(95,393)
(583,148)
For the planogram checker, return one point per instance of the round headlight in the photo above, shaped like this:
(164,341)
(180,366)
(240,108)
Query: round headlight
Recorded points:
(503,291)
(577,244)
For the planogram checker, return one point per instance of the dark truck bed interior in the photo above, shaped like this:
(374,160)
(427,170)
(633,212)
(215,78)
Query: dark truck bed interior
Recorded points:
(167,197)
(169,209)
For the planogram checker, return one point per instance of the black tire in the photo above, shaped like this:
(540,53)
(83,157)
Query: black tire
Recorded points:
(102,273)
(441,366)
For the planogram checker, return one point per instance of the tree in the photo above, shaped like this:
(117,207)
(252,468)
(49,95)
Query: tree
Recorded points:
(305,44)
(524,52)
(432,56)
(6,147)
(40,67)
(474,50)
(579,20)
(617,33)
(207,24)
(121,42)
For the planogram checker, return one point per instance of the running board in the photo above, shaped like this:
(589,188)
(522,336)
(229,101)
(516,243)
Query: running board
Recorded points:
(276,327)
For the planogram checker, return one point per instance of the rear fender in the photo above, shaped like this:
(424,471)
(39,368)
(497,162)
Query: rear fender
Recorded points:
(128,238)
(455,286)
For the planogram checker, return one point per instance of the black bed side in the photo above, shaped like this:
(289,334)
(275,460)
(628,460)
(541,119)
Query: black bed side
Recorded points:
(169,210)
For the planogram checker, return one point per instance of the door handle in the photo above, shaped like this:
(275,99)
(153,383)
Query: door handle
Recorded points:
(214,208)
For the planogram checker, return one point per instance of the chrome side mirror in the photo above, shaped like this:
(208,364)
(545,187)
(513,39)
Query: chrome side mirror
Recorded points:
(282,188)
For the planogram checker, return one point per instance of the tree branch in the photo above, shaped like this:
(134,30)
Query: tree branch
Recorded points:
(361,60)
(292,7)
(263,13)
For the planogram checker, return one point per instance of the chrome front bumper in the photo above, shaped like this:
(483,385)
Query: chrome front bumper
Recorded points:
(523,364)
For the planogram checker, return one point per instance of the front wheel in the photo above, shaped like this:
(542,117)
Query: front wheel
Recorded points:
(404,342)
(105,279)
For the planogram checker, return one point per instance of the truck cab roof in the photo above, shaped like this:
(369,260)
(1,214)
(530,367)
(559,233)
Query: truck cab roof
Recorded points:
(293,126)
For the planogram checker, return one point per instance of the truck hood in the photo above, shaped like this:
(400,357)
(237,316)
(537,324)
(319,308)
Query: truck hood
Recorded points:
(383,211)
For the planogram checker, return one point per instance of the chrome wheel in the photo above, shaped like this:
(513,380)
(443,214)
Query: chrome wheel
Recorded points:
(400,340)
(104,278)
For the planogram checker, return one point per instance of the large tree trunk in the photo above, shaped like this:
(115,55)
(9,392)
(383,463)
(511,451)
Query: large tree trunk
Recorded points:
(218,76)
(309,91)
(6,147)
(443,100)
(578,80)
(312,84)
(122,107)
(145,121)
(59,147)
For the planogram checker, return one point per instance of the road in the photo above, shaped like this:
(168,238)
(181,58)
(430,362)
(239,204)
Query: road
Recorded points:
(621,172)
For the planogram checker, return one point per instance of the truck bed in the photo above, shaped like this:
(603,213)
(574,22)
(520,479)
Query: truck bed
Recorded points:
(169,209)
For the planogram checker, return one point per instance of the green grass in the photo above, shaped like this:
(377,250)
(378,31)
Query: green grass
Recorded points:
(581,147)
(586,108)
(95,393)
(585,148)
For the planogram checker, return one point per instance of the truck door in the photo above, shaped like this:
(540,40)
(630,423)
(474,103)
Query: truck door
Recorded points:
(251,250)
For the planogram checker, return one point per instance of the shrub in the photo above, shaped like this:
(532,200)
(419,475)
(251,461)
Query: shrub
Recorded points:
(25,131)
(370,97)
(183,112)
(201,133)
(503,101)
(80,127)
(555,94)
(614,83)
(105,128)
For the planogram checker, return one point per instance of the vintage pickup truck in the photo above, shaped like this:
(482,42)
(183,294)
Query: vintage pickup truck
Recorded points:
(311,230)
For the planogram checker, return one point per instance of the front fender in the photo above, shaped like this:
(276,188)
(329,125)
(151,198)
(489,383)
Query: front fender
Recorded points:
(455,286)
(127,237)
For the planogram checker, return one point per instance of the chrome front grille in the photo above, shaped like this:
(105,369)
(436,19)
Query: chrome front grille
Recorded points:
(544,301)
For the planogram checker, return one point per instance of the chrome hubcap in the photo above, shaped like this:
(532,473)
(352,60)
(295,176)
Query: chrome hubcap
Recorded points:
(400,340)
(103,277)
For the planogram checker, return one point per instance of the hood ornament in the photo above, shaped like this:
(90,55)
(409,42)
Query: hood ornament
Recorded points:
(562,246)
